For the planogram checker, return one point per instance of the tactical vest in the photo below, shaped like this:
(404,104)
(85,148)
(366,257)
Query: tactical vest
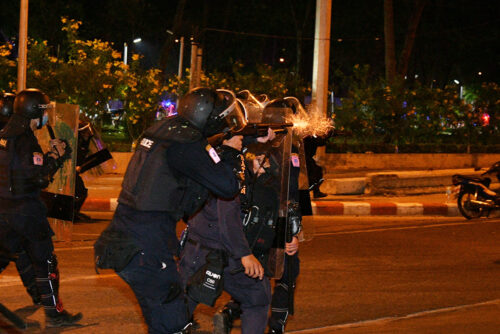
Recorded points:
(150,184)
(18,172)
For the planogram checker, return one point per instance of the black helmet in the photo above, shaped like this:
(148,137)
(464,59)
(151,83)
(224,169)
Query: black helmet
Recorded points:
(31,103)
(212,111)
(6,106)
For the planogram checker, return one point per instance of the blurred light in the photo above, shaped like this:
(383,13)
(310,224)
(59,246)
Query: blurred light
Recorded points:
(377,38)
(416,76)
(282,60)
(456,81)
(137,40)
(485,119)
(176,40)
(339,39)
(170,31)
(479,73)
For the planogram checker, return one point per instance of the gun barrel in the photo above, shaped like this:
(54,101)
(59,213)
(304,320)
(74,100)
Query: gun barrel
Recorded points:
(260,129)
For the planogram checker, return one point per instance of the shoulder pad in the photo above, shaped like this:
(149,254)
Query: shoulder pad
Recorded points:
(174,129)
(16,126)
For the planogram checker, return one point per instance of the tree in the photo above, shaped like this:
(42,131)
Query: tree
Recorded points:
(390,49)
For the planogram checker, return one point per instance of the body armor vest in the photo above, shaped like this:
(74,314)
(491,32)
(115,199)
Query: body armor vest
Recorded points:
(18,173)
(150,184)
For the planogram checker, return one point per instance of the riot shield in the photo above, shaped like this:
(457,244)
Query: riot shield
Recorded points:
(98,160)
(59,195)
(253,106)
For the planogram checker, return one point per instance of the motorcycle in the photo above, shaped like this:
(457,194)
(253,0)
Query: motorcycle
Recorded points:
(475,199)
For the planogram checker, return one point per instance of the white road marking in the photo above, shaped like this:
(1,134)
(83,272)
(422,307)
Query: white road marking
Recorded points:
(397,228)
(390,319)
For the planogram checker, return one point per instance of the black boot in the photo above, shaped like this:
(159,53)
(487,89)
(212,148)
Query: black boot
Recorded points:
(223,320)
(35,295)
(318,194)
(54,318)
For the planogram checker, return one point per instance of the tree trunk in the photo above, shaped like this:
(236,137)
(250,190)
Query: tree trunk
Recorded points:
(390,54)
(170,41)
(411,34)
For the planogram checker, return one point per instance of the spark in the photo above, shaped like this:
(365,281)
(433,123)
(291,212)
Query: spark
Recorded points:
(311,122)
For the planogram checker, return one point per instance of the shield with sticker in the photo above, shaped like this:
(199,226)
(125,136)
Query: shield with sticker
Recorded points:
(265,199)
(59,195)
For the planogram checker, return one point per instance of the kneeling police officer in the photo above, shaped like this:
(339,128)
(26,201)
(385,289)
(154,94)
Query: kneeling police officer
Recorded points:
(24,171)
(169,177)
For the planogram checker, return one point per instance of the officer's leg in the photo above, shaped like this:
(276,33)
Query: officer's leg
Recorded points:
(28,277)
(279,304)
(38,245)
(5,253)
(192,258)
(254,296)
(158,291)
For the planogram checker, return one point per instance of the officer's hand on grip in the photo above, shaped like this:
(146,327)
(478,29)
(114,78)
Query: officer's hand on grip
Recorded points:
(292,247)
(60,149)
(252,266)
(235,142)
(270,136)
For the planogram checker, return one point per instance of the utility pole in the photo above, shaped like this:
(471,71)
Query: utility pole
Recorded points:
(181,57)
(23,46)
(196,57)
(321,54)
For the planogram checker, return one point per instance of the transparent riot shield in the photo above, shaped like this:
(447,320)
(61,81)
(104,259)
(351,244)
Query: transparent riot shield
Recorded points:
(281,153)
(308,228)
(59,195)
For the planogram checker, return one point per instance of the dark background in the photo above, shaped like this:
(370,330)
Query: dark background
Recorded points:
(456,39)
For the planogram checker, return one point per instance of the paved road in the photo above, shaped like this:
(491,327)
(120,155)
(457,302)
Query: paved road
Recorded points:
(358,275)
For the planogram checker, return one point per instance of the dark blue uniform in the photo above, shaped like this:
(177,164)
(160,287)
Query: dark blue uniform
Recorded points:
(24,171)
(219,226)
(168,177)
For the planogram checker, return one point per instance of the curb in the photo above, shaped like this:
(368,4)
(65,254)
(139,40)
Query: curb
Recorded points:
(333,208)
(324,208)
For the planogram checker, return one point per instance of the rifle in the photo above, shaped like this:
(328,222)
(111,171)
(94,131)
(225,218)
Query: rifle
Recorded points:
(250,130)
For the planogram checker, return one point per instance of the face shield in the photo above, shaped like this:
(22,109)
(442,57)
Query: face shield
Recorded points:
(234,114)
(252,106)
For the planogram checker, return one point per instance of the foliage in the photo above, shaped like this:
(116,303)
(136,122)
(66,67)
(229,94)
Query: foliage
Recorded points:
(89,74)
(377,113)
(266,80)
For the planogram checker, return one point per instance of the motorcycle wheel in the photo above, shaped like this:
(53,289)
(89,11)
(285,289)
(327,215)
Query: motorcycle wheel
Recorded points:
(466,208)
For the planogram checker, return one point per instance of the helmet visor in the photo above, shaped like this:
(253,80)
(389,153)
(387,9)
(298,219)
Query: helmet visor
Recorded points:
(234,114)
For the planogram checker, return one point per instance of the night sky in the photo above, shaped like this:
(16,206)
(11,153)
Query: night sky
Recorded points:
(456,39)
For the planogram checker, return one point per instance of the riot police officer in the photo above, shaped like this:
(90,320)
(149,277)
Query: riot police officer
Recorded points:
(24,171)
(169,177)
(21,258)
(218,256)
(260,205)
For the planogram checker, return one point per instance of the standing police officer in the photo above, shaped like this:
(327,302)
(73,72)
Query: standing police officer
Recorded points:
(24,171)
(168,178)
(21,258)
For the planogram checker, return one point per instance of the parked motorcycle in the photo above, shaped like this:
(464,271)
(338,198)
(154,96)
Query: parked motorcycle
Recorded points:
(475,199)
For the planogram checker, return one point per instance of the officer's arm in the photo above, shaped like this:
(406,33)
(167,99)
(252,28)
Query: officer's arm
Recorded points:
(215,173)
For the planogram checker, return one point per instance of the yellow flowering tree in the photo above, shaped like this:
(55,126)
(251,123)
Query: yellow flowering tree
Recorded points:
(90,74)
